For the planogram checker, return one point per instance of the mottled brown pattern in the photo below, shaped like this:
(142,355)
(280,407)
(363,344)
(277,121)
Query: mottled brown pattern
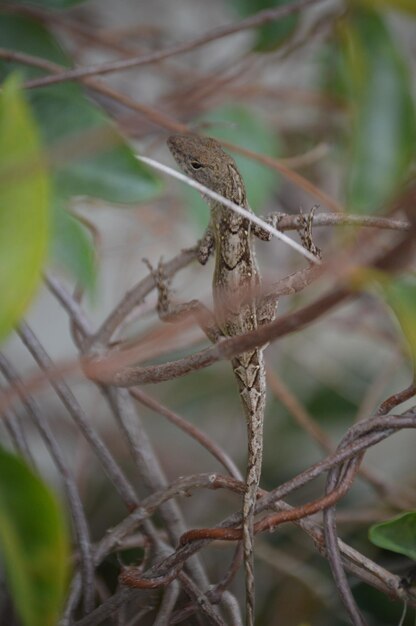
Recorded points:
(236,276)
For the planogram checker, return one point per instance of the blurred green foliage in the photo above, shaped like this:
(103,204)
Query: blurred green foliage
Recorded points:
(364,66)
(88,156)
(24,206)
(34,543)
(273,34)
(400,295)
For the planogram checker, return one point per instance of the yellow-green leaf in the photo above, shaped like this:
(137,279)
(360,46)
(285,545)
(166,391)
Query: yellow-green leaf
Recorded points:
(33,543)
(24,206)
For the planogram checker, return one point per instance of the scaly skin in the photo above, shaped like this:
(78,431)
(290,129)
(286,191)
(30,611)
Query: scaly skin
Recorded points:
(235,285)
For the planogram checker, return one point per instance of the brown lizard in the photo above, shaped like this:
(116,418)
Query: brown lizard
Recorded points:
(237,311)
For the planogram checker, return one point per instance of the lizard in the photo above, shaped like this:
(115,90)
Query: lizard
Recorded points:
(235,287)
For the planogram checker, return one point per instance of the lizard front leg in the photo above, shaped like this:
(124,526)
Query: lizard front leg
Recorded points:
(305,223)
(206,246)
(304,227)
(171,312)
(273,220)
(267,304)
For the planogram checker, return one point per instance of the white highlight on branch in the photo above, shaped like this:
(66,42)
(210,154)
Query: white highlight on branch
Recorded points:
(231,205)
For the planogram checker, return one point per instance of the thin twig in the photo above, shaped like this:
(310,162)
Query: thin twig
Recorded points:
(396,399)
(190,430)
(258,19)
(167,604)
(289,222)
(69,303)
(202,600)
(332,548)
(17,435)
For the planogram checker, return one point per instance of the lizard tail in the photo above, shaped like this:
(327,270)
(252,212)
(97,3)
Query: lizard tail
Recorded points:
(249,501)
(249,369)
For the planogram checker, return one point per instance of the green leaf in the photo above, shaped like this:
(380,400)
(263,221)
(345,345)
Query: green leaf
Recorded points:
(24,206)
(397,534)
(240,125)
(269,36)
(33,542)
(383,118)
(72,247)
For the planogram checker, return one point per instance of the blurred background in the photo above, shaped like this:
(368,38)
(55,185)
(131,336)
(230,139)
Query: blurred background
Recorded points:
(326,93)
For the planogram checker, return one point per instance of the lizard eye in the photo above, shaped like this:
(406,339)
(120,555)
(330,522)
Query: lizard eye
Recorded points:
(196,165)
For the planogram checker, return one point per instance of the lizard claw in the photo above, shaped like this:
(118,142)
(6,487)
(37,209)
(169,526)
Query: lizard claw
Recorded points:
(305,223)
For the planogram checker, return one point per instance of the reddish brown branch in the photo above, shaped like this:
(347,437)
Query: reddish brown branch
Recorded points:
(270,522)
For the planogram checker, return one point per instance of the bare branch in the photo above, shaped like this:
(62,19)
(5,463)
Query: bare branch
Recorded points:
(258,19)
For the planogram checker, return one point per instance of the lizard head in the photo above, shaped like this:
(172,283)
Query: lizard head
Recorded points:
(204,160)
